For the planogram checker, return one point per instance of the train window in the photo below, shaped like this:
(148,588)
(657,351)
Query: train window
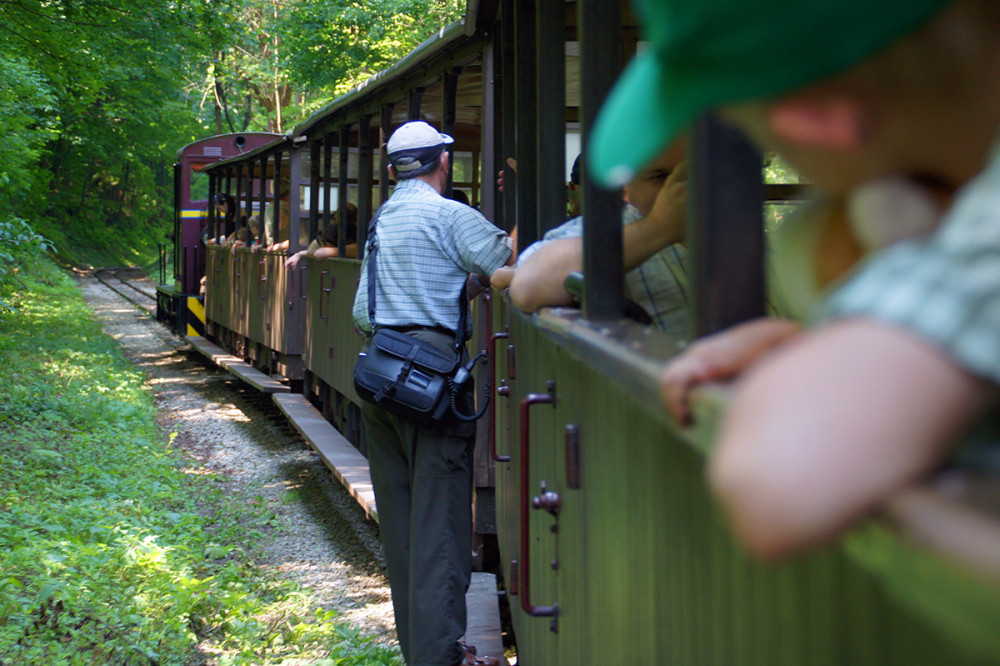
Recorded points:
(199,184)
(352,163)
(463,169)
(784,192)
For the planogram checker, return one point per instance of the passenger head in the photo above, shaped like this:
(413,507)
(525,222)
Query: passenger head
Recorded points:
(225,204)
(352,224)
(817,81)
(254,224)
(352,214)
(642,190)
(415,149)
(574,201)
(284,189)
(460,196)
(927,107)
(328,236)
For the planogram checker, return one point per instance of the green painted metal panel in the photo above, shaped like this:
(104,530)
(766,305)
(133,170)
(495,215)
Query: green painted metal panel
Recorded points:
(218,299)
(648,571)
(256,294)
(333,341)
(241,289)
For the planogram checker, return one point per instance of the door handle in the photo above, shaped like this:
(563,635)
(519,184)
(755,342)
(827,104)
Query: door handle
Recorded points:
(493,413)
(524,566)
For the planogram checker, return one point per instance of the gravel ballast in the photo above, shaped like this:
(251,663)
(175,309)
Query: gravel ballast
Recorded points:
(322,540)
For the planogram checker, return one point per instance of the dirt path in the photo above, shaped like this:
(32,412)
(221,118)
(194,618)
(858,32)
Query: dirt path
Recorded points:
(324,542)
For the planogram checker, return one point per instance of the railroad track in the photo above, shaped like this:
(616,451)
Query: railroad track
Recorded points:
(113,280)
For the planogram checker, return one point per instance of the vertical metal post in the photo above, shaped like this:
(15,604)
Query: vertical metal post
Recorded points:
(344,154)
(235,202)
(525,65)
(180,249)
(449,91)
(231,175)
(276,194)
(210,223)
(491,136)
(315,148)
(248,196)
(725,233)
(364,169)
(262,197)
(294,199)
(413,104)
(550,155)
(506,120)
(600,57)
(385,127)
(327,177)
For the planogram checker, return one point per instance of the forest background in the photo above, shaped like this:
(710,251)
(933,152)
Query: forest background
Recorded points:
(97,96)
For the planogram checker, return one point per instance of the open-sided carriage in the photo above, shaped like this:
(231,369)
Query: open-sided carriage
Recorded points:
(610,548)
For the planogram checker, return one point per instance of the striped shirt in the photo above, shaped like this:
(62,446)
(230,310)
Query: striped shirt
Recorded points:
(944,287)
(427,247)
(659,285)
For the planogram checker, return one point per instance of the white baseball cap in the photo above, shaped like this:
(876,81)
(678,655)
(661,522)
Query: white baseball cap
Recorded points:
(415,144)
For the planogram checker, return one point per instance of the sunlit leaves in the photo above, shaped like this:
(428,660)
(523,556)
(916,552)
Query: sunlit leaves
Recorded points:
(109,552)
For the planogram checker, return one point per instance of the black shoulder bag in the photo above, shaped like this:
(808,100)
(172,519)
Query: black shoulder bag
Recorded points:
(410,377)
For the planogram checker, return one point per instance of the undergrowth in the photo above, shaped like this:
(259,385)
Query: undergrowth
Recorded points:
(110,553)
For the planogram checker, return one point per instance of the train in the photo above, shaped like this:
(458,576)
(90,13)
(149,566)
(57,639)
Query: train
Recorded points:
(178,302)
(590,502)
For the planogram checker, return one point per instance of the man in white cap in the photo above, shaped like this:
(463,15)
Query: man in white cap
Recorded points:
(427,248)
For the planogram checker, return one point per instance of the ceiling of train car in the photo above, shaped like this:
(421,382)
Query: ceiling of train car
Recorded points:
(468,107)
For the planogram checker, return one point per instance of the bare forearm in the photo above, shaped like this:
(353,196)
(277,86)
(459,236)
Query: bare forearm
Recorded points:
(644,238)
(325,252)
(539,279)
(826,430)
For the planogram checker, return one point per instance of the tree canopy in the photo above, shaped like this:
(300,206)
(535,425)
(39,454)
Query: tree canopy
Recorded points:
(98,95)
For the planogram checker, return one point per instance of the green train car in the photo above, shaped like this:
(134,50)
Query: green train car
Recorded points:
(590,502)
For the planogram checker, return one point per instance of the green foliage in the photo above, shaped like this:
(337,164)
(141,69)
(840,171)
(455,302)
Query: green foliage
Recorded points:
(20,248)
(96,97)
(334,46)
(778,170)
(97,103)
(114,548)
(26,114)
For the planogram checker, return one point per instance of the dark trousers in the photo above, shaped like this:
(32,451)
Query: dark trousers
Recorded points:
(423,488)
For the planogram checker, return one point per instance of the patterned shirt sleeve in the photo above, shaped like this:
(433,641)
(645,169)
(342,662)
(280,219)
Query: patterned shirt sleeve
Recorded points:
(572,228)
(481,246)
(944,288)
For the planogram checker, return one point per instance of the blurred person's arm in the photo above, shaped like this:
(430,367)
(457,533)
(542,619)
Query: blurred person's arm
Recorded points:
(720,356)
(539,279)
(329,252)
(293,261)
(501,277)
(825,430)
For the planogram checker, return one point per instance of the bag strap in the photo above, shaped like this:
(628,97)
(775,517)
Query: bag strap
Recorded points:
(372,277)
(372,272)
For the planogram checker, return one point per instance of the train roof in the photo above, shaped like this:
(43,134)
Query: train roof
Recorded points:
(221,144)
(281,142)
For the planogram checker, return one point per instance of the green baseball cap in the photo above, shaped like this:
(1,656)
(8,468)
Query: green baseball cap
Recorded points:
(706,53)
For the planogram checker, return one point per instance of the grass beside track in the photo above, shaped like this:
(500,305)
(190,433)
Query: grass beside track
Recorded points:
(109,551)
